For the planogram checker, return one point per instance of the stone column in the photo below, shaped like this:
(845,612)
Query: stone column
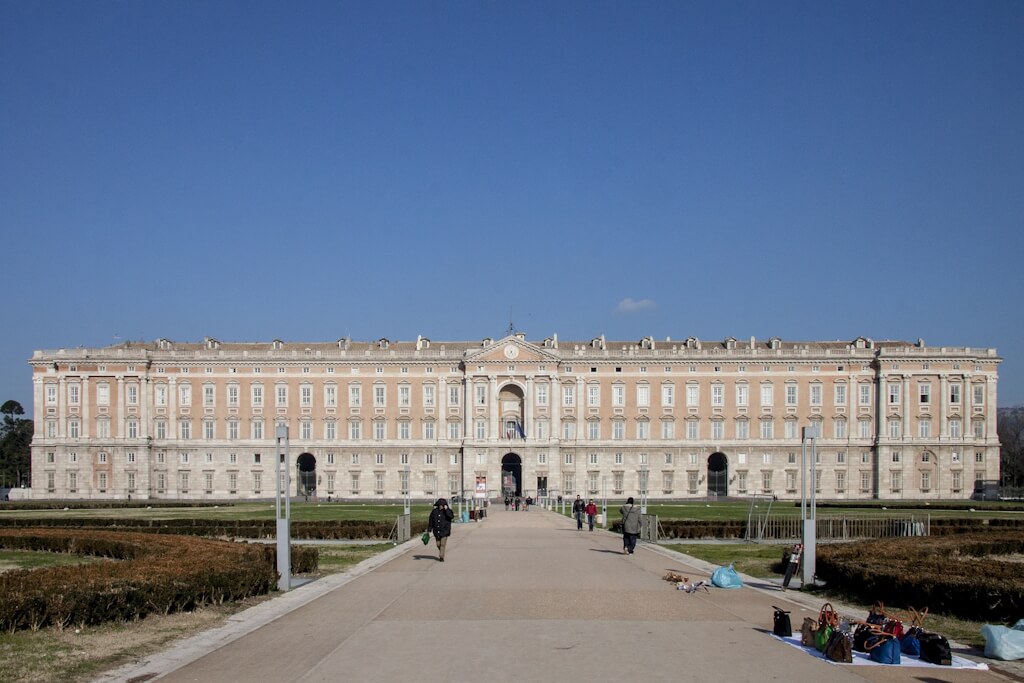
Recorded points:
(84,400)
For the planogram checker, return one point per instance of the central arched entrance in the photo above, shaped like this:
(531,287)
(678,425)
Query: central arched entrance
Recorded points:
(511,475)
(718,475)
(306,464)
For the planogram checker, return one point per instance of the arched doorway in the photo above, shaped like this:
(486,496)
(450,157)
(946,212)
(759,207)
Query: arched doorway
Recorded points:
(306,464)
(718,475)
(510,403)
(511,475)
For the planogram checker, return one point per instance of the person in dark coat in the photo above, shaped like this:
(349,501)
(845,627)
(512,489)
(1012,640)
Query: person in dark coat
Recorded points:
(630,526)
(440,524)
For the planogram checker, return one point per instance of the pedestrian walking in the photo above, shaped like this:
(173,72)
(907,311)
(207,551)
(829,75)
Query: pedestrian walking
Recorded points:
(591,513)
(440,524)
(579,508)
(630,526)
(794,563)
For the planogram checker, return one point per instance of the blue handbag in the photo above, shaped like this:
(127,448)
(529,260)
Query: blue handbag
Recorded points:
(910,644)
(883,648)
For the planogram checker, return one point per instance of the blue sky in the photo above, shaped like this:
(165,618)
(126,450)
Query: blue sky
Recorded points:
(307,171)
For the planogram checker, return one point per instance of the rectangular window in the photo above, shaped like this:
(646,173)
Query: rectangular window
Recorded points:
(742,395)
(840,482)
(924,428)
(74,397)
(454,431)
(542,394)
(161,429)
(306,396)
(378,483)
(454,395)
(185,429)
(330,433)
(924,393)
(594,395)
(355,396)
(208,395)
(379,430)
(979,395)
(895,456)
(481,394)
(568,395)
(790,394)
(355,431)
(481,429)
(815,394)
(330,396)
(594,430)
(864,394)
(790,429)
(51,394)
(864,427)
(767,397)
(766,482)
(954,394)
(404,396)
(955,431)
(865,482)
(643,430)
(643,396)
(692,395)
(767,429)
(692,430)
(894,393)
(159,394)
(184,394)
(568,459)
(958,482)
(257,430)
(618,430)
(668,430)
(103,394)
(840,394)
(281,393)
(896,479)
(717,395)
(428,431)
(208,429)
(133,429)
(593,458)
(305,430)
(668,395)
(840,429)
(618,395)
(257,396)
(766,458)
(429,392)
(742,429)
(717,430)
(894,429)
(103,429)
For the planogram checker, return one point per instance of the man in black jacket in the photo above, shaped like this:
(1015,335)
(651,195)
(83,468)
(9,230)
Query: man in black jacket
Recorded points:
(440,524)
(578,507)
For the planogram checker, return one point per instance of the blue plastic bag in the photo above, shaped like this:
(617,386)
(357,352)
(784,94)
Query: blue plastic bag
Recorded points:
(726,577)
(1004,643)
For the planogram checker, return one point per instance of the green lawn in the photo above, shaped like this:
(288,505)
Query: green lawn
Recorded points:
(299,512)
(748,558)
(34,559)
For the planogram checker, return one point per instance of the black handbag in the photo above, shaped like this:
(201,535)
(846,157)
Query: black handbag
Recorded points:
(783,627)
(935,648)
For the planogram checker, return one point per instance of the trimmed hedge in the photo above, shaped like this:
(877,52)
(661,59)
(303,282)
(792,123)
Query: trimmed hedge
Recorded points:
(953,574)
(105,504)
(152,574)
(220,528)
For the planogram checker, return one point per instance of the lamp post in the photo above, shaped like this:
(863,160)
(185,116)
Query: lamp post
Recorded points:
(604,502)
(406,493)
(284,560)
(643,489)
(808,512)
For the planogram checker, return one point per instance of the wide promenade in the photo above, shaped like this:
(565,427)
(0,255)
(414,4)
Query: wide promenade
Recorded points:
(522,596)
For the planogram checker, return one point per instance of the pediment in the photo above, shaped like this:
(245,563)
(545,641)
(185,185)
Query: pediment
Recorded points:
(511,349)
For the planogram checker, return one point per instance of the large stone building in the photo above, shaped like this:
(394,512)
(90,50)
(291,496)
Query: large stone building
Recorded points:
(369,421)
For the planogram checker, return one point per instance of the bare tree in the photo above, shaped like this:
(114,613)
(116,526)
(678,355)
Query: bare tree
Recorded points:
(1010,427)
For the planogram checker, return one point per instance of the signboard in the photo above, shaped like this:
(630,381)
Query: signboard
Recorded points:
(481,488)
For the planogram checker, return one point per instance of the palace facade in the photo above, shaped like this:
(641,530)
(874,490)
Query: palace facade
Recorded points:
(378,420)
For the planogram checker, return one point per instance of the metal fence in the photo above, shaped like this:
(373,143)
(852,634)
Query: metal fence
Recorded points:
(649,528)
(841,528)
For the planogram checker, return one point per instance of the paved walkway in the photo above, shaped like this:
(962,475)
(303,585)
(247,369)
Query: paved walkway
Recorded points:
(521,596)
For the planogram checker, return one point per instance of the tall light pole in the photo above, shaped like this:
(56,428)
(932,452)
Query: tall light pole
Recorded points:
(407,492)
(284,534)
(643,489)
(808,471)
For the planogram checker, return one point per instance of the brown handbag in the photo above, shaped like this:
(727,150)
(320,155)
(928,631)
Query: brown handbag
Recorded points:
(807,631)
(839,648)
(828,616)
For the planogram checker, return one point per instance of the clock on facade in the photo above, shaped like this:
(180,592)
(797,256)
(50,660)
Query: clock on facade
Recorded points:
(511,351)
